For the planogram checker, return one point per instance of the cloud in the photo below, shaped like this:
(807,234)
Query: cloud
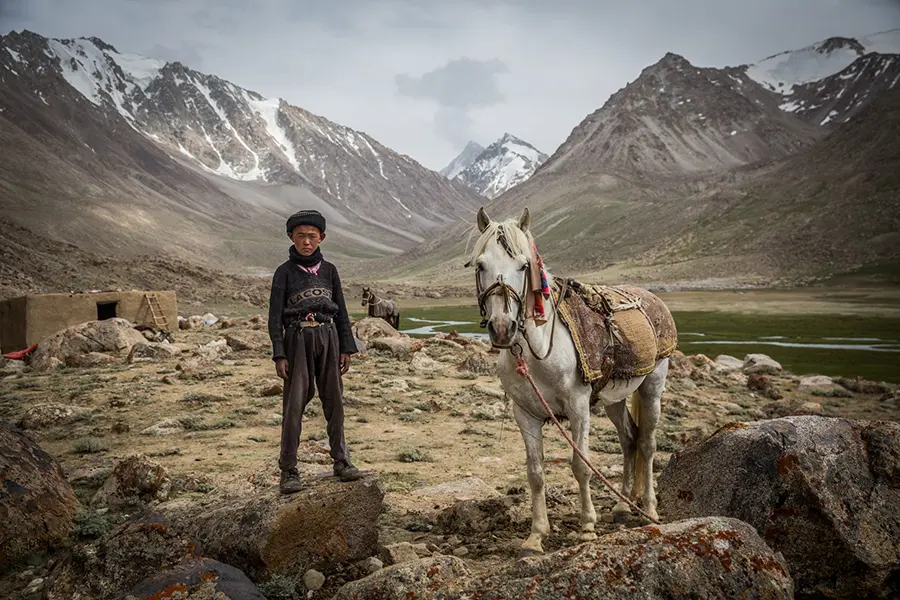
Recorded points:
(458,87)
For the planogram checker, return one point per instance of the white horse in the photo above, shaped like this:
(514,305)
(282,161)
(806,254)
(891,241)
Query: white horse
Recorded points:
(502,257)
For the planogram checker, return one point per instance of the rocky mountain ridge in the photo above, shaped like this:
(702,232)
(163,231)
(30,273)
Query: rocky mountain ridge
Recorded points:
(115,151)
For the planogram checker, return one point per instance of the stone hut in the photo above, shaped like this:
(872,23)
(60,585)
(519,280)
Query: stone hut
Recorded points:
(28,319)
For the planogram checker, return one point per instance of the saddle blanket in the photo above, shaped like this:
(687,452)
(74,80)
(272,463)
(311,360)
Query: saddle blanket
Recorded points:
(619,331)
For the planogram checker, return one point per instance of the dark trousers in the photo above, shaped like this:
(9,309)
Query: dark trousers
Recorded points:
(313,360)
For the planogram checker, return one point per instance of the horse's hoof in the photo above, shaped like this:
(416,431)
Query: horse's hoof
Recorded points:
(587,536)
(528,552)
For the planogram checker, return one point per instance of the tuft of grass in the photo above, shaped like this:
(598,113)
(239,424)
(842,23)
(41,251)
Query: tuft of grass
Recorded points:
(89,524)
(280,588)
(414,455)
(90,446)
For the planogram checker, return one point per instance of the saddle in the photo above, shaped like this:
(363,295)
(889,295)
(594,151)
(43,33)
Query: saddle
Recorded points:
(619,331)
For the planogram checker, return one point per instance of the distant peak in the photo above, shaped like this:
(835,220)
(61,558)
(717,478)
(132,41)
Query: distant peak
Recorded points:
(837,43)
(673,59)
(508,137)
(101,44)
(473,145)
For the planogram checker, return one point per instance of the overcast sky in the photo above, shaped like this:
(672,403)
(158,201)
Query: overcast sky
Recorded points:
(425,76)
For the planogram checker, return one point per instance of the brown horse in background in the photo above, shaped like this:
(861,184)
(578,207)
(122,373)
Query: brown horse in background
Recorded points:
(382,308)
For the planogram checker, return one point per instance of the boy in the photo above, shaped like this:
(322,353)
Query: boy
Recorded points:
(311,344)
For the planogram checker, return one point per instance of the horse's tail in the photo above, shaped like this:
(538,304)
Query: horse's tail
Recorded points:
(637,472)
(397,320)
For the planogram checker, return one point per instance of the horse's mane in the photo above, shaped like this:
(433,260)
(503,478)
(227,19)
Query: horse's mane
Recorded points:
(518,241)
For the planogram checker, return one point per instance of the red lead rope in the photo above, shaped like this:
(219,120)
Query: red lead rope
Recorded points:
(522,369)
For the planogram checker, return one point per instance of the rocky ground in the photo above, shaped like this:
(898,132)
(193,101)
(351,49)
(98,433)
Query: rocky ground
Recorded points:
(425,418)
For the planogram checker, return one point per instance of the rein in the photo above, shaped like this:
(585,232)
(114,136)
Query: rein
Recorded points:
(522,369)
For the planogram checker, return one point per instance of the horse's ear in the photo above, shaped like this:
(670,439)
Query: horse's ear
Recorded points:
(525,220)
(483,220)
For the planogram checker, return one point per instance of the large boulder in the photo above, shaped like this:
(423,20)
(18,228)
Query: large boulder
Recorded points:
(140,548)
(37,504)
(327,524)
(825,492)
(71,344)
(248,339)
(134,476)
(400,347)
(370,328)
(697,558)
(200,579)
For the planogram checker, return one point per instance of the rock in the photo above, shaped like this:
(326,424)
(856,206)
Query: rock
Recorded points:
(371,328)
(816,383)
(761,364)
(138,476)
(765,386)
(396,385)
(49,414)
(822,491)
(460,551)
(248,340)
(141,548)
(164,427)
(443,577)
(154,351)
(8,365)
(729,363)
(213,351)
(37,504)
(890,398)
(271,387)
(199,579)
(399,347)
(371,565)
(697,558)
(439,341)
(422,363)
(394,554)
(313,580)
(488,390)
(865,386)
(107,336)
(89,360)
(480,363)
(327,524)
(481,516)
(490,412)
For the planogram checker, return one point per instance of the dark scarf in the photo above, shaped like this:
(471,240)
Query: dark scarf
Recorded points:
(306,261)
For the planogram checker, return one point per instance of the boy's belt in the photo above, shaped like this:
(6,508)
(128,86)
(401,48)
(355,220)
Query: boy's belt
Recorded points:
(310,320)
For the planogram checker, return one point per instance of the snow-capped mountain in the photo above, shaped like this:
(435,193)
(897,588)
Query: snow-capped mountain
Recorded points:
(463,160)
(828,82)
(115,150)
(504,164)
(677,118)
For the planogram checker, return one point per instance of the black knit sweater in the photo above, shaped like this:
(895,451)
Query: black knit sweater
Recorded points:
(296,293)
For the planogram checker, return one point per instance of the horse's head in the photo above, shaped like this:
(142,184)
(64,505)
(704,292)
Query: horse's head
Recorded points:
(502,258)
(365,297)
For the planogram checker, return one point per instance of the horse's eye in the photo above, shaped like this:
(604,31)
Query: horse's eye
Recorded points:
(479,267)
(523,267)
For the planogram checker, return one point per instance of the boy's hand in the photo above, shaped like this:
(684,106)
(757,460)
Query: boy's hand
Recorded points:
(345,363)
(281,368)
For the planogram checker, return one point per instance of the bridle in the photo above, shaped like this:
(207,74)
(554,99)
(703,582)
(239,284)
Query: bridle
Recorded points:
(368,296)
(508,293)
